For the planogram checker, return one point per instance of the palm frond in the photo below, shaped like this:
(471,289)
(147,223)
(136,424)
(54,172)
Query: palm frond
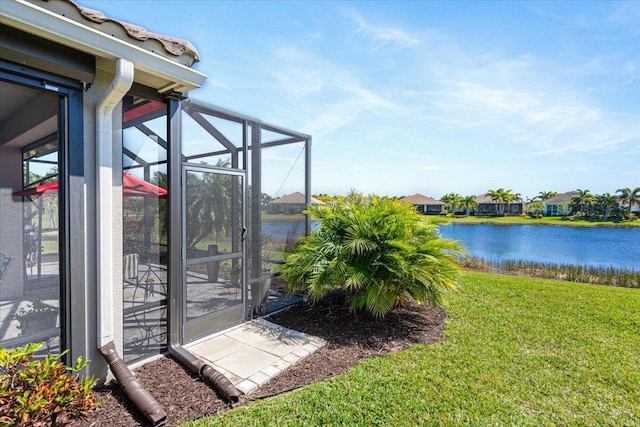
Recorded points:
(377,250)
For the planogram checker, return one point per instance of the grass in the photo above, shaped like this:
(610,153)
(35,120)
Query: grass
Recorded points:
(547,220)
(49,242)
(518,351)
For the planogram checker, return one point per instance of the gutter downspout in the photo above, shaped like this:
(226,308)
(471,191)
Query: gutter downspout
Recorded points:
(104,207)
(207,373)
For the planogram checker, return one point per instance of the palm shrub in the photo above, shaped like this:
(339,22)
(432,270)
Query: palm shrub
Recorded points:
(376,250)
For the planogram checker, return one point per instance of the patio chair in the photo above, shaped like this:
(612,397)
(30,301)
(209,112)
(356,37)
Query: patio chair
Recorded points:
(4,265)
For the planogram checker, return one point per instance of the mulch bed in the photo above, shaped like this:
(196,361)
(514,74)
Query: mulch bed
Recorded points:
(350,339)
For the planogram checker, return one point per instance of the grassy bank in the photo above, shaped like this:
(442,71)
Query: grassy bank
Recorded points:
(547,220)
(518,351)
(607,276)
(266,217)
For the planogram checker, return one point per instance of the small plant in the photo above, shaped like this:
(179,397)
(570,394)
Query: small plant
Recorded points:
(42,392)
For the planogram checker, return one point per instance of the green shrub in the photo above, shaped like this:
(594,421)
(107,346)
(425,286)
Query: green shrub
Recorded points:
(377,250)
(42,392)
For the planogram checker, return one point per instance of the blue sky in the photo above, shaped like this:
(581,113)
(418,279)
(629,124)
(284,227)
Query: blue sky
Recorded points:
(427,97)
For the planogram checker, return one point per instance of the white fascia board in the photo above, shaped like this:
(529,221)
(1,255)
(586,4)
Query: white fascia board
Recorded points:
(35,20)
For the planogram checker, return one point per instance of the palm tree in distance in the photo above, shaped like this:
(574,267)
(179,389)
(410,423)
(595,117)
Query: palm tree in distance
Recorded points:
(583,197)
(629,196)
(502,197)
(469,203)
(452,201)
(544,195)
(606,202)
(496,196)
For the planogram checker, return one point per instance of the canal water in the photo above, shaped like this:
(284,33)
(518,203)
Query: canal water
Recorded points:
(599,247)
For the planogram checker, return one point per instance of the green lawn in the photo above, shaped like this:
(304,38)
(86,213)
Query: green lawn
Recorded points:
(547,220)
(518,351)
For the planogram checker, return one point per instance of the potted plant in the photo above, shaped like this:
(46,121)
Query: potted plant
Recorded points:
(36,317)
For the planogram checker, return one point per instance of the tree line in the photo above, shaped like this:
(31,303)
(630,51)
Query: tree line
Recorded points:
(583,205)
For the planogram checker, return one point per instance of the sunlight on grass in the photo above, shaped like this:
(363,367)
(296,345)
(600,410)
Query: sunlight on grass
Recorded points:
(518,351)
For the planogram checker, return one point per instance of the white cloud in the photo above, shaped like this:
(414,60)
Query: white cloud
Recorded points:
(554,120)
(298,81)
(333,96)
(383,35)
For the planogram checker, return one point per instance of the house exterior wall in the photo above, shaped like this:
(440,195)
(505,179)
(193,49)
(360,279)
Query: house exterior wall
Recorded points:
(80,255)
(47,47)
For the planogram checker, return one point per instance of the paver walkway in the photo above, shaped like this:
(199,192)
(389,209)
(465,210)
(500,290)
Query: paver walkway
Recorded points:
(252,353)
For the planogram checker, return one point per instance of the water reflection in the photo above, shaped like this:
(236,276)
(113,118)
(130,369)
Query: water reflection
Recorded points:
(598,247)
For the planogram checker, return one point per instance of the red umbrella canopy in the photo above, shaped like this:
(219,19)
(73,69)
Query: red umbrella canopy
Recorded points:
(39,190)
(132,186)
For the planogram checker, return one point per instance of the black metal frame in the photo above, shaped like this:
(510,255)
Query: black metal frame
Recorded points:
(245,158)
(70,163)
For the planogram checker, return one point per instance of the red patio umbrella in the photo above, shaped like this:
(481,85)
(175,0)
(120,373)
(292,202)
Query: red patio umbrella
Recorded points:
(132,186)
(39,190)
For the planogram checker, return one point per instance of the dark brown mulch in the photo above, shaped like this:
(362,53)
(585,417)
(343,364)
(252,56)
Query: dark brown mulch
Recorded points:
(350,339)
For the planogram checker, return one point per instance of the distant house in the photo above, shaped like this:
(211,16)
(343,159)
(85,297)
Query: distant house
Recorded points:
(558,205)
(488,206)
(290,204)
(424,204)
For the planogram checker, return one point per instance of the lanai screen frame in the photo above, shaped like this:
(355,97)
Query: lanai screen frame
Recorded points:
(252,129)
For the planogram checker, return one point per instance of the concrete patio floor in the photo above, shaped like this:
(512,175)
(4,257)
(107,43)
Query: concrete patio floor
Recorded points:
(252,353)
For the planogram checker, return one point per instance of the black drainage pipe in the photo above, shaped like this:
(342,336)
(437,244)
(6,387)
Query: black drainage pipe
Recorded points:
(140,397)
(207,373)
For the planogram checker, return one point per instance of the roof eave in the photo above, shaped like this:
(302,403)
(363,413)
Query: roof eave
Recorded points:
(166,75)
